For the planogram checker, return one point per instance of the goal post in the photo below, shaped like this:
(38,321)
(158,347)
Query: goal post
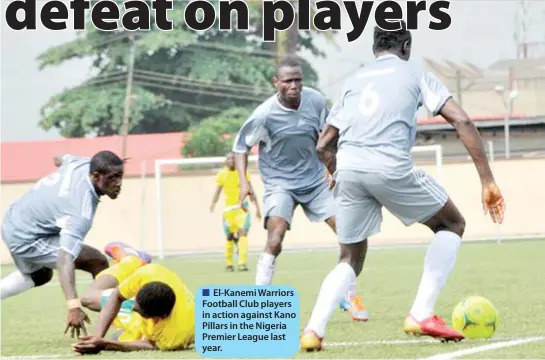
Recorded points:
(159,196)
(437,150)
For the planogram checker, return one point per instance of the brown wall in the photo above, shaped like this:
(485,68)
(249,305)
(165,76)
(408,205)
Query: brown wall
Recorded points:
(189,226)
(488,103)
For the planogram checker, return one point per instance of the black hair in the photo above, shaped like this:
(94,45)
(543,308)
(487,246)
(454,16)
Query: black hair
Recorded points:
(385,40)
(289,61)
(106,162)
(155,299)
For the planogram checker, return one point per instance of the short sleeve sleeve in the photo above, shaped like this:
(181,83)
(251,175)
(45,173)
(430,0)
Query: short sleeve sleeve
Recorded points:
(73,232)
(251,133)
(433,93)
(334,117)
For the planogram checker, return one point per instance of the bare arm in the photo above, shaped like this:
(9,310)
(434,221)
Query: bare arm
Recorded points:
(254,201)
(67,274)
(327,147)
(470,137)
(113,345)
(241,164)
(108,313)
(216,197)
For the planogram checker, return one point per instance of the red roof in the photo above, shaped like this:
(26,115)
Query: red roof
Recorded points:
(30,160)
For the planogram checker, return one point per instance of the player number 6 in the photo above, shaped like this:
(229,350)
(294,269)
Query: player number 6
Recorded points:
(369,100)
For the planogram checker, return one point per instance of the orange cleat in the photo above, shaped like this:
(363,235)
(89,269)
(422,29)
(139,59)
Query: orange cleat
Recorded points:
(433,326)
(118,250)
(356,308)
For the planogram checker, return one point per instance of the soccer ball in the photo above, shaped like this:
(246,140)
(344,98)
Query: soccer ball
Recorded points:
(475,317)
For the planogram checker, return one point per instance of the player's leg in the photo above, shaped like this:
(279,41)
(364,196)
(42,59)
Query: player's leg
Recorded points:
(229,243)
(416,197)
(358,217)
(278,214)
(91,260)
(34,262)
(320,206)
(127,261)
(243,226)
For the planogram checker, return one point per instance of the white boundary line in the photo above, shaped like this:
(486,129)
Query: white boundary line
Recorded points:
(483,348)
(496,343)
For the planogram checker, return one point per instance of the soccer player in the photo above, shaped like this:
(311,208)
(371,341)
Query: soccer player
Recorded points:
(46,227)
(148,304)
(236,220)
(286,127)
(375,122)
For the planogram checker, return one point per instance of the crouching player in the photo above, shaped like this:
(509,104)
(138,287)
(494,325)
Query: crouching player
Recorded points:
(148,304)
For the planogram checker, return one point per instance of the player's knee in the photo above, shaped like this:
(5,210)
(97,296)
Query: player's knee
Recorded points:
(42,276)
(354,255)
(459,226)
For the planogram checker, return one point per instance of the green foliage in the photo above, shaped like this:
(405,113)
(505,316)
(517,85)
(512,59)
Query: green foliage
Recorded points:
(214,135)
(181,77)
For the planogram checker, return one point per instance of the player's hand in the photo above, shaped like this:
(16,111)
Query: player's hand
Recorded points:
(331,180)
(89,345)
(493,202)
(76,322)
(245,191)
(212,208)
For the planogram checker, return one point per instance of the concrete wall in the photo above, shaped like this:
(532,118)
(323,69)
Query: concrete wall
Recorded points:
(189,226)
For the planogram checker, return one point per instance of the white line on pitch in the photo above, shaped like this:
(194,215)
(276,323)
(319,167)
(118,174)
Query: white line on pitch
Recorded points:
(495,345)
(407,342)
(484,348)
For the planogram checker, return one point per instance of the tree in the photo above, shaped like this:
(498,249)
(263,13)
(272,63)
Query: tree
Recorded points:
(214,135)
(180,78)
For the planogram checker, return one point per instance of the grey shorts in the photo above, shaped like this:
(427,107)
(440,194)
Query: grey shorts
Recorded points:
(317,203)
(412,197)
(31,257)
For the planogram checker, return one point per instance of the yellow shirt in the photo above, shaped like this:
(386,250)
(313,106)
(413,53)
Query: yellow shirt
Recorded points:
(228,179)
(178,329)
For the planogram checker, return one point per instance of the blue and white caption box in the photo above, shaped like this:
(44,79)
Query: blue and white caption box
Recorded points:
(247,321)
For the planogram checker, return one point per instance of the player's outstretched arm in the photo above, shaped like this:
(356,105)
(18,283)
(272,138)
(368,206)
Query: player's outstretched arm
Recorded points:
(67,277)
(216,197)
(470,137)
(492,198)
(327,147)
(97,342)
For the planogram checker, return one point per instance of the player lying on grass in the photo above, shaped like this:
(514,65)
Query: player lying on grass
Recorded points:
(236,219)
(374,121)
(286,127)
(148,303)
(46,227)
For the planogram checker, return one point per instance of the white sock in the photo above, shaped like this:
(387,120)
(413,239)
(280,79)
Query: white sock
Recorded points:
(265,269)
(438,264)
(333,289)
(15,283)
(352,291)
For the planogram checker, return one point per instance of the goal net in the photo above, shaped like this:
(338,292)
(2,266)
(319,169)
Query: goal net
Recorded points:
(184,188)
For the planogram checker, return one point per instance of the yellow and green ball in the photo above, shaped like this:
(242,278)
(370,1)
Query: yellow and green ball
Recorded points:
(475,317)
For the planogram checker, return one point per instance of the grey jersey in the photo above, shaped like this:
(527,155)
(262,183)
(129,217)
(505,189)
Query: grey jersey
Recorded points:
(62,203)
(287,141)
(376,114)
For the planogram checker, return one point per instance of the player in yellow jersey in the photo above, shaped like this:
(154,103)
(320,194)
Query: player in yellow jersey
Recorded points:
(149,304)
(236,220)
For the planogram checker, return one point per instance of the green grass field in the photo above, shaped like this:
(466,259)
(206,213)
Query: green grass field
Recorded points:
(508,274)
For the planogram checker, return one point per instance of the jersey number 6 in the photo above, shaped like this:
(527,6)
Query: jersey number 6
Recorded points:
(369,100)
